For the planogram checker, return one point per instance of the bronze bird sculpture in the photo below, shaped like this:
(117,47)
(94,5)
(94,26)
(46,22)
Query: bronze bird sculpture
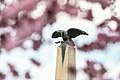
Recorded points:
(68,35)
(67,38)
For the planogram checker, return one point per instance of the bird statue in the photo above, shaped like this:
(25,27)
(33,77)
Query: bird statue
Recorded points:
(68,35)
(67,38)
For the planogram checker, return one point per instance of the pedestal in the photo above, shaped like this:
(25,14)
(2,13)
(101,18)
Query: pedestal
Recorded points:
(66,69)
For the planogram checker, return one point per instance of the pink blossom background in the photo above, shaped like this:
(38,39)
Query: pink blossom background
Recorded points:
(27,51)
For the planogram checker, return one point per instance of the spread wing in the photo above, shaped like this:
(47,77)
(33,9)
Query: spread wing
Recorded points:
(57,34)
(73,32)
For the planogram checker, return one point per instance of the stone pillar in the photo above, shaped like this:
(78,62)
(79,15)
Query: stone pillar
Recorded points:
(66,69)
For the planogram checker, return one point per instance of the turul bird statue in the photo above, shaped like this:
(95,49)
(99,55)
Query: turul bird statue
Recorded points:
(68,35)
(67,38)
